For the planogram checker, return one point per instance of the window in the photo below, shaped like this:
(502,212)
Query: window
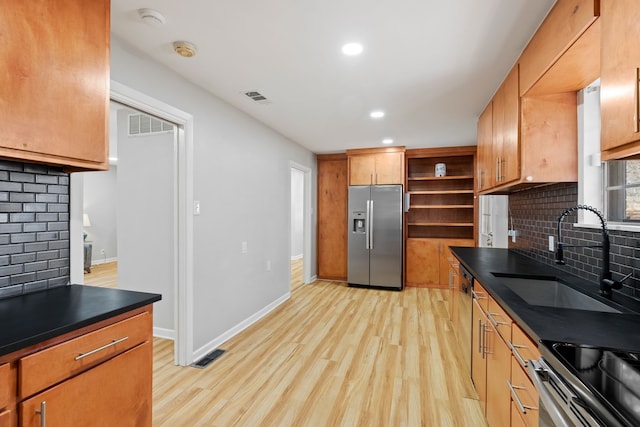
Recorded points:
(622,190)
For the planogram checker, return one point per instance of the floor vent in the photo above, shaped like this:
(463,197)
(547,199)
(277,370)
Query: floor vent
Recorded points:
(206,360)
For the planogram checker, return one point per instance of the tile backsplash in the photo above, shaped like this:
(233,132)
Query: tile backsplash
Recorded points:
(34,228)
(535,213)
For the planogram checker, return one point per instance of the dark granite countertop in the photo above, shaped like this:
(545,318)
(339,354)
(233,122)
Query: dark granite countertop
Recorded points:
(32,318)
(601,329)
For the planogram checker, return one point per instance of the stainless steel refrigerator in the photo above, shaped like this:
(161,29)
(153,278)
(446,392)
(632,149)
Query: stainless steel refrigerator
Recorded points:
(375,236)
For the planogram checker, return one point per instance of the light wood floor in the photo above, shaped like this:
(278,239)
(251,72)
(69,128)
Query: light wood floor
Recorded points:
(330,356)
(104,275)
(296,273)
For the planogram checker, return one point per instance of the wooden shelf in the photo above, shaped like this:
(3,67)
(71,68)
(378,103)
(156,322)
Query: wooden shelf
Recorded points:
(441,224)
(441,207)
(438,178)
(442,192)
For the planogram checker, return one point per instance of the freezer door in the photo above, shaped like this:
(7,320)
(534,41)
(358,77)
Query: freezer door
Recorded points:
(358,234)
(386,236)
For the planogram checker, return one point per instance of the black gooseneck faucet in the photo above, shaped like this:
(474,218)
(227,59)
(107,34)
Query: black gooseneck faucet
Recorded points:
(606,282)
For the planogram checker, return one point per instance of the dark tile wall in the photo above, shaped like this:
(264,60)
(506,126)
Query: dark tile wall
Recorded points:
(535,213)
(34,228)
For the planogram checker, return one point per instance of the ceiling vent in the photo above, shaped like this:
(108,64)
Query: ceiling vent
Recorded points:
(257,97)
(142,124)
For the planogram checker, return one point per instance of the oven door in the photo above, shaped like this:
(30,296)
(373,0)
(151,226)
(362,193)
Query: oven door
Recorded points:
(559,405)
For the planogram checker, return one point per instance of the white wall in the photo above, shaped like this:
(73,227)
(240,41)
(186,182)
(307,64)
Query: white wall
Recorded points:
(99,201)
(297,211)
(241,178)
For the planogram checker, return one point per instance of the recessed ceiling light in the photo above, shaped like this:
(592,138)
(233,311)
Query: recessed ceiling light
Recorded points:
(352,49)
(376,114)
(387,141)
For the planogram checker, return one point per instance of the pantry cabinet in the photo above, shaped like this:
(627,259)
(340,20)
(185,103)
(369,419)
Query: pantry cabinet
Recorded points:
(55,82)
(332,216)
(376,166)
(620,79)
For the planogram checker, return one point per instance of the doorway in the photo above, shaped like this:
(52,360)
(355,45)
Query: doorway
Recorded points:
(300,225)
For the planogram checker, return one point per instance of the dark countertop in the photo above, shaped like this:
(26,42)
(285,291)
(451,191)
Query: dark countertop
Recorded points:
(613,330)
(32,318)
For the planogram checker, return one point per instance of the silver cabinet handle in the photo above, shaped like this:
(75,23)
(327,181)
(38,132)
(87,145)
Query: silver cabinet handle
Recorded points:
(522,407)
(485,345)
(514,350)
(104,347)
(476,296)
(494,321)
(480,349)
(43,413)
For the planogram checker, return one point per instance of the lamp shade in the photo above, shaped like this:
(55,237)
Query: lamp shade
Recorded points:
(85,220)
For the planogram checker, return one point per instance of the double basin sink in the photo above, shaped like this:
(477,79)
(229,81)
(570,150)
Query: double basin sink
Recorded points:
(551,292)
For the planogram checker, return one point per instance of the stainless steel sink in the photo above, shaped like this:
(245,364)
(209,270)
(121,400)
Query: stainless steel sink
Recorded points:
(552,293)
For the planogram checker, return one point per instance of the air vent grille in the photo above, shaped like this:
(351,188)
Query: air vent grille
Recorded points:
(143,124)
(257,97)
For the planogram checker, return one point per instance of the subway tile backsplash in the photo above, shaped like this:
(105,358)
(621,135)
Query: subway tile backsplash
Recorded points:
(535,213)
(34,228)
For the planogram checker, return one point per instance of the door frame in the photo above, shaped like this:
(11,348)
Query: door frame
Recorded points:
(183,288)
(306,221)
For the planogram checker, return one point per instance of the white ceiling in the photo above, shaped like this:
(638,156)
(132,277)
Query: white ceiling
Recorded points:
(430,65)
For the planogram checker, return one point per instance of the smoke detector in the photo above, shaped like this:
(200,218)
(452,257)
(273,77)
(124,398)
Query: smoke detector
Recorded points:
(151,17)
(184,49)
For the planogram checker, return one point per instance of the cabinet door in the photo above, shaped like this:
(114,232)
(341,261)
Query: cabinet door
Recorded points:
(7,385)
(332,219)
(423,262)
(510,149)
(115,393)
(55,83)
(362,169)
(485,149)
(389,168)
(619,75)
(447,258)
(478,356)
(498,374)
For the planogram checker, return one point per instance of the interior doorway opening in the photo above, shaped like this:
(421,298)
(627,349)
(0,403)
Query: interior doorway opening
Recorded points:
(300,225)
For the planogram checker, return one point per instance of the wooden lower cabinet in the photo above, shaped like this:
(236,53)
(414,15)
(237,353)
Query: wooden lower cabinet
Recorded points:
(498,374)
(107,395)
(478,354)
(428,261)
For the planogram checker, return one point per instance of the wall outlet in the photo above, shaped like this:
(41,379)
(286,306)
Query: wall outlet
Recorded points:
(552,246)
(268,265)
(513,234)
(102,251)
(244,248)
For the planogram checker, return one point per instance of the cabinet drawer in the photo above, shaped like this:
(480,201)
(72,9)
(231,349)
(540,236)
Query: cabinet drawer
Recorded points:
(522,347)
(564,24)
(525,392)
(481,295)
(6,386)
(5,418)
(500,319)
(54,364)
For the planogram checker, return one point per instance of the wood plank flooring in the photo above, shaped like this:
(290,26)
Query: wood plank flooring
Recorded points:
(330,356)
(103,275)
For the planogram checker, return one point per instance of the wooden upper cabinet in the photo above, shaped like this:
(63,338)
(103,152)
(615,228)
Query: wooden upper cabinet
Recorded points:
(619,94)
(563,26)
(485,149)
(373,166)
(508,150)
(55,82)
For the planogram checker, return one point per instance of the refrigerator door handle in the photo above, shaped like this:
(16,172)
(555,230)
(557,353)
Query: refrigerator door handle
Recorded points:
(371,226)
(367,225)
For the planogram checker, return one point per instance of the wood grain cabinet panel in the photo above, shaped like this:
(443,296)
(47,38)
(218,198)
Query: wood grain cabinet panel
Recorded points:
(498,374)
(620,87)
(6,385)
(389,168)
(55,81)
(565,23)
(485,175)
(332,217)
(376,166)
(478,354)
(115,393)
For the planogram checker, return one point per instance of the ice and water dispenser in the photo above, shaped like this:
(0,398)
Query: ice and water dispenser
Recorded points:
(359,222)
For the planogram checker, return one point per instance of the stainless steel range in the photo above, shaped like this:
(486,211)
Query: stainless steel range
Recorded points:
(587,386)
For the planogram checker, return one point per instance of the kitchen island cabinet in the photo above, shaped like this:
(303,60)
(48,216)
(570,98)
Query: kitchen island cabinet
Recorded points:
(77,356)
(55,82)
(620,77)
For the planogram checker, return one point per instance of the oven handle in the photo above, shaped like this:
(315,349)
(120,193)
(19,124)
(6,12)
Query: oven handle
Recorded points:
(546,399)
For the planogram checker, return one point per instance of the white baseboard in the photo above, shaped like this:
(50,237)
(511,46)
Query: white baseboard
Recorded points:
(296,257)
(103,261)
(313,279)
(216,342)
(169,334)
